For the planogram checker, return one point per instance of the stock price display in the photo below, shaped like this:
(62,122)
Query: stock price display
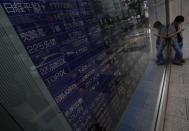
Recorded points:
(66,40)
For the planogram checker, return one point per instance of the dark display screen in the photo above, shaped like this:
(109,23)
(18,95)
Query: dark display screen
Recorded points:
(75,46)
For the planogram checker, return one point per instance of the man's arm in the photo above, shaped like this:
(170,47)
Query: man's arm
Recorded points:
(175,33)
(158,35)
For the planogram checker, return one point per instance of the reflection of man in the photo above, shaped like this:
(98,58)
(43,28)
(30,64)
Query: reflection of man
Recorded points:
(160,42)
(175,32)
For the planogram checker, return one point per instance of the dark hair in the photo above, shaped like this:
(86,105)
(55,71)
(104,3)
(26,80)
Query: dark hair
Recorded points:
(157,24)
(179,19)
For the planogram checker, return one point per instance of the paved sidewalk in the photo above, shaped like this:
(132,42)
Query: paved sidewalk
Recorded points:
(177,113)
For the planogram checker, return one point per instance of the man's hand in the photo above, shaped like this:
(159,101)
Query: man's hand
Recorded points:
(182,30)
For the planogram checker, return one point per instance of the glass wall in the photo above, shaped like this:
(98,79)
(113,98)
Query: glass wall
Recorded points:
(71,64)
(157,12)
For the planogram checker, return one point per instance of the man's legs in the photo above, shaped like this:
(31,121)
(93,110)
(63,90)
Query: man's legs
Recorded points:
(178,53)
(160,58)
(181,47)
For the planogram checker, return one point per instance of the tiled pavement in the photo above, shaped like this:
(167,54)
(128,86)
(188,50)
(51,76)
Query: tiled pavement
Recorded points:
(177,113)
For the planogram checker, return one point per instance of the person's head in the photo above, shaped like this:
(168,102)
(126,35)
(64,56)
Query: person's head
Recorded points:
(178,20)
(157,25)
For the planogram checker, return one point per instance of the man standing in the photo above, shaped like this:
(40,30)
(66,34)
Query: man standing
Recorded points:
(175,33)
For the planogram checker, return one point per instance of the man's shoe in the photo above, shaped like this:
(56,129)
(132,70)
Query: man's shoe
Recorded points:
(177,63)
(182,61)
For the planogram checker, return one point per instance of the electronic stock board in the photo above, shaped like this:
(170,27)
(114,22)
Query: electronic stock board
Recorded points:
(70,43)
